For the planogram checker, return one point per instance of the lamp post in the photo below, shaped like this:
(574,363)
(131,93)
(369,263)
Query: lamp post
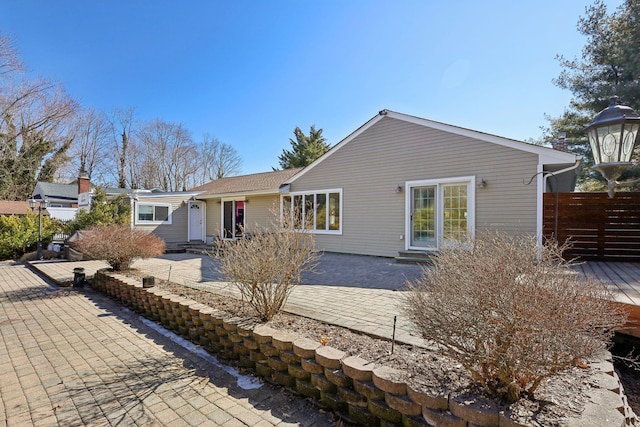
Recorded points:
(612,136)
(42,205)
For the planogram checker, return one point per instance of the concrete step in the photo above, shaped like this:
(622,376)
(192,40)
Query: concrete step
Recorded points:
(415,257)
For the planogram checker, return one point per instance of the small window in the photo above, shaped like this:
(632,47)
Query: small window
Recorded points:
(153,213)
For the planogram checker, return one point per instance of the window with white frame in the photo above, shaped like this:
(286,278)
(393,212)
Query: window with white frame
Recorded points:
(153,213)
(439,211)
(322,209)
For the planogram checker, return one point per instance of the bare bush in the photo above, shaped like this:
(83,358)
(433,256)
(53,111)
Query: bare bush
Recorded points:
(510,312)
(118,245)
(267,265)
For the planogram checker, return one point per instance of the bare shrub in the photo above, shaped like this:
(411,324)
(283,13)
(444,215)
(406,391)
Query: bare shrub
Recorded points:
(118,245)
(267,265)
(510,312)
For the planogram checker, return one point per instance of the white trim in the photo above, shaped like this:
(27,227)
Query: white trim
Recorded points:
(540,189)
(439,183)
(327,192)
(152,222)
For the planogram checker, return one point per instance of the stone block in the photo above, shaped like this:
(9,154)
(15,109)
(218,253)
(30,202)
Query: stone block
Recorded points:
(263,334)
(390,380)
(429,399)
(297,372)
(263,370)
(306,388)
(368,389)
(442,418)
(284,379)
(337,377)
(321,383)
(333,401)
(476,410)
(357,368)
(257,356)
(362,416)
(305,347)
(289,357)
(403,404)
(416,421)
(277,364)
(311,366)
(250,343)
(283,340)
(269,350)
(380,409)
(352,397)
(329,357)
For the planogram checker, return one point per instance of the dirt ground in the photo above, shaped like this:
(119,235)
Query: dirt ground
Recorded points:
(558,397)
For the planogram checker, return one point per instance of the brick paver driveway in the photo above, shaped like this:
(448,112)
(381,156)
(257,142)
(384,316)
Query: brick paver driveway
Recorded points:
(76,358)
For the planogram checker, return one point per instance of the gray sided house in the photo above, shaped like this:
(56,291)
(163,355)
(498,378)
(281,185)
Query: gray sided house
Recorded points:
(174,217)
(398,183)
(238,204)
(402,183)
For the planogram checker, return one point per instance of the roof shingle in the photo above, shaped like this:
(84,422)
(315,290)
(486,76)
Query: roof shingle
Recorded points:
(265,181)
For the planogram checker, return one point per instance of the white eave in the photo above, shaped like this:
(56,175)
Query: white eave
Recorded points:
(546,156)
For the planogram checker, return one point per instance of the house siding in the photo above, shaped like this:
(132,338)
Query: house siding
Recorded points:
(176,232)
(391,152)
(257,211)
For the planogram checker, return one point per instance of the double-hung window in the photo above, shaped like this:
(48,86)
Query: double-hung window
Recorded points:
(153,213)
(319,211)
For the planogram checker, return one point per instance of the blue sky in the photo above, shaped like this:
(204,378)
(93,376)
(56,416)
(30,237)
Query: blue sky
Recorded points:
(249,72)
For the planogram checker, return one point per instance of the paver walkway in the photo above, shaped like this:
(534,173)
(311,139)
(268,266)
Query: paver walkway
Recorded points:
(361,293)
(72,358)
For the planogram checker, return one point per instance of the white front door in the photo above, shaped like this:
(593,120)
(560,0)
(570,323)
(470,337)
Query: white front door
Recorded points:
(196,220)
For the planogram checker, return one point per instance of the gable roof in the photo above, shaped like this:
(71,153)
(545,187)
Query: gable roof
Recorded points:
(258,183)
(546,155)
(58,192)
(10,207)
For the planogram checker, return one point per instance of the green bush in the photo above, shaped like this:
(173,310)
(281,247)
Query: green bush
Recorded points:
(19,234)
(118,245)
(103,212)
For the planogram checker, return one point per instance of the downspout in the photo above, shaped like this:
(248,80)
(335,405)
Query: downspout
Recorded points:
(545,177)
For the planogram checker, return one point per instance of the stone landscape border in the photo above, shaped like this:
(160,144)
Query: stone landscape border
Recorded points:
(361,392)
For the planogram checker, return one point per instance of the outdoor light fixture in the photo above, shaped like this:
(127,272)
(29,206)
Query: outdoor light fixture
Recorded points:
(42,205)
(482,183)
(612,136)
(399,189)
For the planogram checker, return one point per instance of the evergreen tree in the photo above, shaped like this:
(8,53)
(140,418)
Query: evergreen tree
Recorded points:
(305,149)
(609,64)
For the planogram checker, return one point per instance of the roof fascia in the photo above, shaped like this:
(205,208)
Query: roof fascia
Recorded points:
(545,155)
(239,194)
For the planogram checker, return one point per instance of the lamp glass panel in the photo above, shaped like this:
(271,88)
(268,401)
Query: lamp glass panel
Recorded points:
(609,137)
(593,141)
(630,135)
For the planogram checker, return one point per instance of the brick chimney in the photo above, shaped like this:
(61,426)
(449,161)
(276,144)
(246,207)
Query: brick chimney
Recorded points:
(84,183)
(561,144)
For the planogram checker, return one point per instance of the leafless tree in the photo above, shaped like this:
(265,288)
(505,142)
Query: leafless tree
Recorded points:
(217,160)
(88,153)
(169,157)
(121,123)
(35,126)
(267,265)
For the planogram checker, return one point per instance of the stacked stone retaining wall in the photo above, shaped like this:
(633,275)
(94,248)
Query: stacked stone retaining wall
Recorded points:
(361,392)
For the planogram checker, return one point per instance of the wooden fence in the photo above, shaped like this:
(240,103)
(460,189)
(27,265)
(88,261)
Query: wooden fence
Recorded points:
(599,227)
